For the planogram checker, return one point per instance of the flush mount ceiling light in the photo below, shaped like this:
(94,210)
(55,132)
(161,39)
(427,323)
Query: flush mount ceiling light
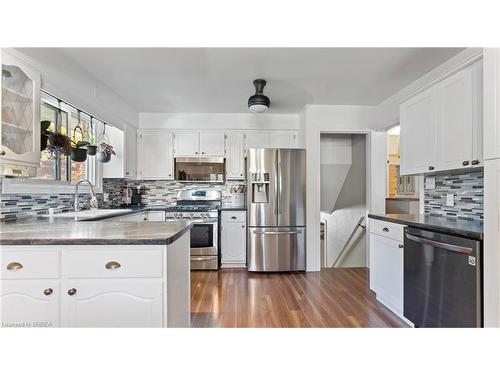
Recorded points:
(258,102)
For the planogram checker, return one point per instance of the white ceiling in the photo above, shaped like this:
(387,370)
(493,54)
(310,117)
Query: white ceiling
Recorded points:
(220,79)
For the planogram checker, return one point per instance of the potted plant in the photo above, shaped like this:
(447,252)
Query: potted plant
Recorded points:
(105,150)
(59,144)
(44,134)
(79,151)
(91,146)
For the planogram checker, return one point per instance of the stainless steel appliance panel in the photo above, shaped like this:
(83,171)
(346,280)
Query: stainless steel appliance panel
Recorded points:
(442,280)
(204,262)
(291,187)
(276,249)
(262,180)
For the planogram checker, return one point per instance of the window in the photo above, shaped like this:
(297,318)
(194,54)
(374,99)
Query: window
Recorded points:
(65,118)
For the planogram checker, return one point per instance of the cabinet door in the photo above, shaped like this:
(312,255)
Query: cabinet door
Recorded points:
(233,243)
(112,303)
(455,109)
(418,133)
(187,143)
(20,115)
(256,139)
(386,271)
(491,97)
(156,155)
(30,302)
(130,152)
(283,139)
(235,156)
(212,143)
(477,114)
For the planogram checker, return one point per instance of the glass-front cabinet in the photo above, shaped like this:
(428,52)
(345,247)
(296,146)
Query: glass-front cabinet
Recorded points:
(20,116)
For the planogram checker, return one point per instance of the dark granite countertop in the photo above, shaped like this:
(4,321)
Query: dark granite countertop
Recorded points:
(467,228)
(51,231)
(411,199)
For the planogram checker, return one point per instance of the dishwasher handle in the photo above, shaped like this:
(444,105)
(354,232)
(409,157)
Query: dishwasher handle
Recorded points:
(441,245)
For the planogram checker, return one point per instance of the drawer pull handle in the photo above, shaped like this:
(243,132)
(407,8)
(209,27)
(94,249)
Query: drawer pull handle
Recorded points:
(47,291)
(475,162)
(72,291)
(14,266)
(233,217)
(465,163)
(386,229)
(112,265)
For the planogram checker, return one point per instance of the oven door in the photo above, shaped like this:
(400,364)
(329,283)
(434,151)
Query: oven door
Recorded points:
(204,237)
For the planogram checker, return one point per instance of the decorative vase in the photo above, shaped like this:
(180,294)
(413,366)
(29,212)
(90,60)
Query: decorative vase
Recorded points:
(79,154)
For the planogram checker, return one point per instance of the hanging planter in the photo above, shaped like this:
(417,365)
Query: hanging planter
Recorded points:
(58,145)
(104,150)
(78,150)
(91,147)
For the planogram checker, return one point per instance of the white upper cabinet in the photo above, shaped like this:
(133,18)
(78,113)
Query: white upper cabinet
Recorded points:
(456,121)
(20,115)
(235,155)
(256,139)
(199,143)
(418,134)
(441,127)
(187,143)
(130,152)
(491,103)
(283,139)
(212,143)
(156,159)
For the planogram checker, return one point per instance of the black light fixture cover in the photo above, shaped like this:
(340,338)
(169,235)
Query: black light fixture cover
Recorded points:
(259,102)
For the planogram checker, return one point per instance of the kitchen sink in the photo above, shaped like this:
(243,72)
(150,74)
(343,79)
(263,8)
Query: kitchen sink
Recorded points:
(90,214)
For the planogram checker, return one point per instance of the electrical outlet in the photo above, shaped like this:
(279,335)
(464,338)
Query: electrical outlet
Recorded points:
(450,200)
(430,182)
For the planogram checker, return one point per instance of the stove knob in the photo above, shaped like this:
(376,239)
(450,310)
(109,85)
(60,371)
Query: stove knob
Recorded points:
(191,215)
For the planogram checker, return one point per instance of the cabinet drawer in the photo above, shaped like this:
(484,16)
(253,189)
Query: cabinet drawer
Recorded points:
(38,264)
(387,229)
(234,216)
(112,263)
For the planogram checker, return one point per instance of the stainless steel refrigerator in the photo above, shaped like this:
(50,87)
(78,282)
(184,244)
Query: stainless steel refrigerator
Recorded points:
(276,206)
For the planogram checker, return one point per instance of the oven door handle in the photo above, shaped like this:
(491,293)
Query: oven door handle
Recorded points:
(441,245)
(205,258)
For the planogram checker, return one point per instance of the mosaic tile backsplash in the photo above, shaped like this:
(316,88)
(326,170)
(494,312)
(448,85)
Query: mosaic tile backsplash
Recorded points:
(155,193)
(468,191)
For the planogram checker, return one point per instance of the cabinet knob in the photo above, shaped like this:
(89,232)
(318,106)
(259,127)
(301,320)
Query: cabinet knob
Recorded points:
(72,291)
(431,168)
(47,291)
(401,246)
(127,173)
(243,226)
(113,265)
(14,266)
(386,229)
(196,152)
(475,162)
(2,152)
(203,152)
(233,217)
(466,162)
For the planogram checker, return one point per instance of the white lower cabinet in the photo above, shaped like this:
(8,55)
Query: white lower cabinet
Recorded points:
(97,286)
(112,303)
(30,303)
(233,239)
(387,263)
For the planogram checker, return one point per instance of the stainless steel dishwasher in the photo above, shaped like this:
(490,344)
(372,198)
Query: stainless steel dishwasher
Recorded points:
(442,280)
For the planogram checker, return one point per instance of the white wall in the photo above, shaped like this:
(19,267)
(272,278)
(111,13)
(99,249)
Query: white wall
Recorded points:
(64,78)
(218,121)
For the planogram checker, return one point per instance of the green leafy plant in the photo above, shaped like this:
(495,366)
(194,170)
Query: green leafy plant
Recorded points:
(79,144)
(106,148)
(59,144)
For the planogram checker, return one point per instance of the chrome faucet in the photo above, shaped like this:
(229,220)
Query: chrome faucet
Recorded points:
(93,199)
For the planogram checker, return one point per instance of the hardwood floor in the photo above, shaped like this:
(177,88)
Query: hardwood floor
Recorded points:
(337,297)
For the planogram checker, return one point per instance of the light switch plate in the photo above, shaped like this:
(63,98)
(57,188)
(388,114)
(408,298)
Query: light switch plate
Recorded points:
(430,182)
(450,200)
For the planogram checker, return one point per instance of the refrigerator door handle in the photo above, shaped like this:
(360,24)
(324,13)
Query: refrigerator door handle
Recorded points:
(280,184)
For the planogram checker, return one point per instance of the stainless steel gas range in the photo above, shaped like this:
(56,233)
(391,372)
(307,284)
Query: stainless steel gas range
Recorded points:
(201,207)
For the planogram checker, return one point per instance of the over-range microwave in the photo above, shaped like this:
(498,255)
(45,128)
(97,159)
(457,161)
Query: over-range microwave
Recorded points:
(200,169)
